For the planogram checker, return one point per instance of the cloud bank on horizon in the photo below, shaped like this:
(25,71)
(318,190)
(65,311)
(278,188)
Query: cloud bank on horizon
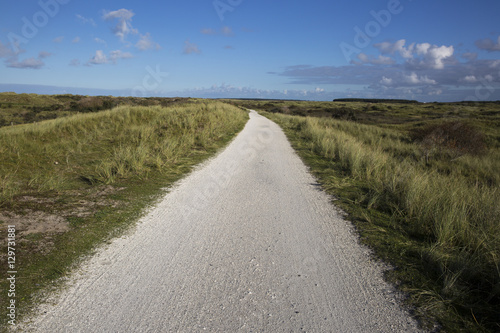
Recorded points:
(411,49)
(413,70)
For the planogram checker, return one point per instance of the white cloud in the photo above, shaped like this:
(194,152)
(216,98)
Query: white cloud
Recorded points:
(436,92)
(474,79)
(397,47)
(123,26)
(147,43)
(422,48)
(190,48)
(386,81)
(12,58)
(31,63)
(44,54)
(100,58)
(74,62)
(431,56)
(469,79)
(76,40)
(227,31)
(100,41)
(230,91)
(116,55)
(422,55)
(208,31)
(5,51)
(58,39)
(495,64)
(385,47)
(85,20)
(401,80)
(435,56)
(414,79)
(381,60)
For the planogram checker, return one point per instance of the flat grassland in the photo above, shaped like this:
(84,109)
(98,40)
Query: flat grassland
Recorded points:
(421,184)
(70,183)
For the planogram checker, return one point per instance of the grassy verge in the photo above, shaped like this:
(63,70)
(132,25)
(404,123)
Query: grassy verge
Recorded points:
(439,226)
(71,183)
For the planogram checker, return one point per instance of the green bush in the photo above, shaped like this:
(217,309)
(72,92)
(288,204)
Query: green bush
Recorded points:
(457,138)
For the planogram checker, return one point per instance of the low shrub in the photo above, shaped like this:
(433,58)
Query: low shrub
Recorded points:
(455,137)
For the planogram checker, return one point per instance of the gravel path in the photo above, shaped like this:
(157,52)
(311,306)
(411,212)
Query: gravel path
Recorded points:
(246,243)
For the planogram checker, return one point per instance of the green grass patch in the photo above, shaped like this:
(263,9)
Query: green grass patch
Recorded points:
(435,220)
(72,183)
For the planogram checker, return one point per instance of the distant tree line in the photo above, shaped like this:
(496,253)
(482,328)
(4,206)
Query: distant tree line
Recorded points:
(377,100)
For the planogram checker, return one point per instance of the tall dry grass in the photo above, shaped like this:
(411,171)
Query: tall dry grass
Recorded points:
(107,146)
(454,215)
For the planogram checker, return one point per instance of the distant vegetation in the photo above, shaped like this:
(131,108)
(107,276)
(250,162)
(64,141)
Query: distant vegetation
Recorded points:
(381,113)
(421,183)
(376,100)
(28,108)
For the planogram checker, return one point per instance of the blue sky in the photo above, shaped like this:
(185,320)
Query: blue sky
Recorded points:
(437,50)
